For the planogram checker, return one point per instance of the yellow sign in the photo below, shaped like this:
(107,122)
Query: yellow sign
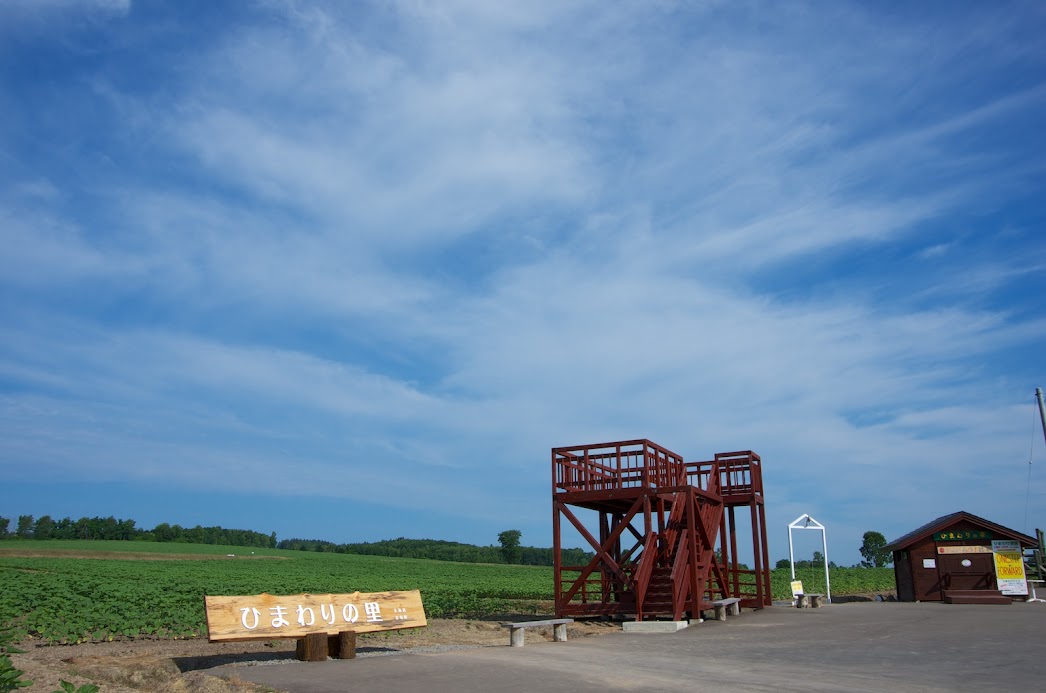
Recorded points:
(268,616)
(1009,567)
(797,587)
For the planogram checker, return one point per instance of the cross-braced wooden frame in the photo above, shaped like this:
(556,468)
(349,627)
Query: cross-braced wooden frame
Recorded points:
(659,520)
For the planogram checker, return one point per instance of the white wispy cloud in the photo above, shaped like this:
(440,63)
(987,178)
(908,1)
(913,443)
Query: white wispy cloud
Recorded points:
(413,246)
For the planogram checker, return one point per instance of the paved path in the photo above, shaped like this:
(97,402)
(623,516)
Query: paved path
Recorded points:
(854,647)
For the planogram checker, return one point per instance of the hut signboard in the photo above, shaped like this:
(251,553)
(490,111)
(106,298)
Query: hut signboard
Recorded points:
(963,549)
(963,535)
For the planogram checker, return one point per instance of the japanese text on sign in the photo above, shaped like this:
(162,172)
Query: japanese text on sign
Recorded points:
(962,535)
(293,616)
(963,549)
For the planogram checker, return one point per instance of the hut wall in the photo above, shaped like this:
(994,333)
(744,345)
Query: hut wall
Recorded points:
(902,570)
(926,580)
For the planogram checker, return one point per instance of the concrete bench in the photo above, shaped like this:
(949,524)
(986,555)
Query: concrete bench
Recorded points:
(517,630)
(725,606)
(812,600)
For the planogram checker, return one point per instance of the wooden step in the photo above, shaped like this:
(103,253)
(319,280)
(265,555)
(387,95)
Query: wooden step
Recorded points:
(975,597)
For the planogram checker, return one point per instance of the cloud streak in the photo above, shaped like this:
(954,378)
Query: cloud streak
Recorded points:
(407,248)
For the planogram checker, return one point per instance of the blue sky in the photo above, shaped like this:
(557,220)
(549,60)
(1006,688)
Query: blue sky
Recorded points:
(349,270)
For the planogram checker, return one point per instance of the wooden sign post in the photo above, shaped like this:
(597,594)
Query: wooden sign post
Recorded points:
(324,624)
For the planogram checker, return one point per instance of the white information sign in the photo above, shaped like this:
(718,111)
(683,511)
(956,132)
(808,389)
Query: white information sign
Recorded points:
(1009,567)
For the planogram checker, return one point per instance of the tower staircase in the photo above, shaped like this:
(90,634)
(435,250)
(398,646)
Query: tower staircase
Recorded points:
(660,520)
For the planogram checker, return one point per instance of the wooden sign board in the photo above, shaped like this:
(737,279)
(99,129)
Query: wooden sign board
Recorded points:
(963,549)
(267,616)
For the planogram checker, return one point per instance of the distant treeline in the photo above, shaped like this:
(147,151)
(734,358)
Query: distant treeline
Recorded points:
(438,550)
(110,528)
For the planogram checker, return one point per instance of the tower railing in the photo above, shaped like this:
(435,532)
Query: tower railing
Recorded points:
(615,466)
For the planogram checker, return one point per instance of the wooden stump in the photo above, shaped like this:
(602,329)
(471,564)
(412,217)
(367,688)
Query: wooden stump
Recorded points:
(312,648)
(342,645)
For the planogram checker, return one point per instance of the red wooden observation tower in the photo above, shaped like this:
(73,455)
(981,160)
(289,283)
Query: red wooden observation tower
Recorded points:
(661,521)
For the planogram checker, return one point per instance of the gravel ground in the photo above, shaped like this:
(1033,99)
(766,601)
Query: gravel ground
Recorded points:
(132,666)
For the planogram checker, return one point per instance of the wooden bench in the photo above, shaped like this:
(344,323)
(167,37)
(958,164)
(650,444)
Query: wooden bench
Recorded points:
(725,606)
(517,630)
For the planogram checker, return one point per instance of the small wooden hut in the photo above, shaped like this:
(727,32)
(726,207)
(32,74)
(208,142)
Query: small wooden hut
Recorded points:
(950,559)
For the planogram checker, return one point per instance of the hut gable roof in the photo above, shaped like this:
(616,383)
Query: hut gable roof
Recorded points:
(947,520)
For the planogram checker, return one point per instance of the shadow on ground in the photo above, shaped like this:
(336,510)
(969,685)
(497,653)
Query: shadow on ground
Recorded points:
(202,662)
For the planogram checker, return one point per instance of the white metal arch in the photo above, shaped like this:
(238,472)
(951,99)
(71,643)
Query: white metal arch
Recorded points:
(804,521)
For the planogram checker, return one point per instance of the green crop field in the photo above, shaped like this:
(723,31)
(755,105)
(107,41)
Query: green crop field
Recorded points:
(76,591)
(863,581)
(101,590)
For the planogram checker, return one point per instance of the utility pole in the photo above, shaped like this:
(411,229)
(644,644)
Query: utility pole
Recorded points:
(1042,410)
(1041,552)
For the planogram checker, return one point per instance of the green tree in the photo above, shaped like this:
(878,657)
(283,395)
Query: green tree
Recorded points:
(782,564)
(25,526)
(873,551)
(44,528)
(509,540)
(4,524)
